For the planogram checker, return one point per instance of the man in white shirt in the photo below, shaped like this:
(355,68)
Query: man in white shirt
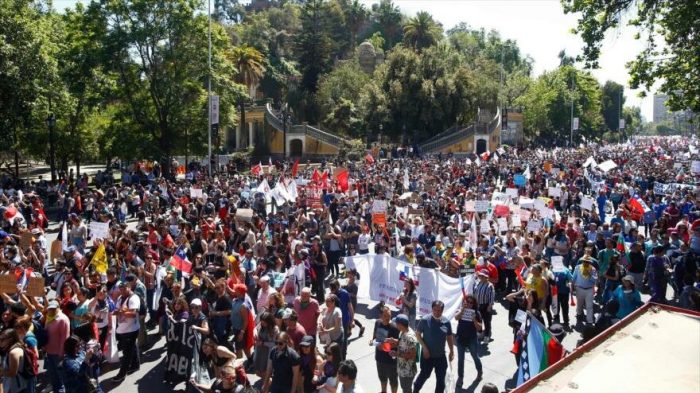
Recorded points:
(127,313)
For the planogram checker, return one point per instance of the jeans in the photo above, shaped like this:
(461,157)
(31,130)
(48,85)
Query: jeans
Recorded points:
(426,368)
(130,358)
(658,290)
(472,346)
(563,307)
(333,259)
(55,373)
(344,338)
(149,303)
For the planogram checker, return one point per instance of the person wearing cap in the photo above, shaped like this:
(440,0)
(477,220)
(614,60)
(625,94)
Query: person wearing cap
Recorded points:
(385,329)
(405,350)
(434,330)
(57,332)
(291,325)
(627,296)
(127,313)
(485,295)
(584,279)
(311,363)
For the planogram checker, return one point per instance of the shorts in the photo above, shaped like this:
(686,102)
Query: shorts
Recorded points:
(239,345)
(388,371)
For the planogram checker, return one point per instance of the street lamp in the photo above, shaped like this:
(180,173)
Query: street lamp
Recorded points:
(500,90)
(51,123)
(379,137)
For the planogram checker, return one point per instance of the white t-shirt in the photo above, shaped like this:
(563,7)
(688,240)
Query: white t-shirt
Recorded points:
(126,324)
(363,241)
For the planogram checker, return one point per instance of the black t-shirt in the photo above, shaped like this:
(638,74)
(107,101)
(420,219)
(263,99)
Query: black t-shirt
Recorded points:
(382,332)
(222,304)
(282,364)
(218,387)
(637,262)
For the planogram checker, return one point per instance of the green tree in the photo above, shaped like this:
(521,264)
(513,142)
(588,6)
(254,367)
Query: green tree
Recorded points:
(313,49)
(613,100)
(355,16)
(389,17)
(424,92)
(421,31)
(675,61)
(565,60)
(158,52)
(248,63)
(338,94)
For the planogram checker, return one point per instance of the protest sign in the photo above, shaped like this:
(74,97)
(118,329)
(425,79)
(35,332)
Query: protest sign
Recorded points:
(469,206)
(525,215)
(607,165)
(501,211)
(534,226)
(314,195)
(502,224)
(245,215)
(554,192)
(8,283)
(512,192)
(196,193)
(695,167)
(587,203)
(25,240)
(519,180)
(481,206)
(379,212)
(99,230)
(558,264)
(180,349)
(484,227)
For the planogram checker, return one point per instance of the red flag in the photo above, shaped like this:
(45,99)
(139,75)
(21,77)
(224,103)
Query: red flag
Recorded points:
(295,168)
(343,180)
(256,169)
(324,179)
(485,156)
(369,158)
(316,177)
(10,212)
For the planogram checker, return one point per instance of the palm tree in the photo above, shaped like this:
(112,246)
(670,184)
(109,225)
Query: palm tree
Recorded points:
(355,17)
(421,31)
(389,17)
(248,63)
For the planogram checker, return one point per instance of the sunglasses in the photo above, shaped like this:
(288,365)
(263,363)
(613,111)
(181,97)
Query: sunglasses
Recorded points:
(279,343)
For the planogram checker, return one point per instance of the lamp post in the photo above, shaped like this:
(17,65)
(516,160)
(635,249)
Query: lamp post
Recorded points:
(500,90)
(379,137)
(51,123)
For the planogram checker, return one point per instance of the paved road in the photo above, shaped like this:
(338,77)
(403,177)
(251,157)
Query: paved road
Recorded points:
(498,363)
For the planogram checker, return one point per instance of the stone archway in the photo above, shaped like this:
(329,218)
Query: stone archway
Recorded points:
(481,145)
(296,148)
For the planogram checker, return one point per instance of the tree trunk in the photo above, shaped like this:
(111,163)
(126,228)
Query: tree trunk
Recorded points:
(16,164)
(77,167)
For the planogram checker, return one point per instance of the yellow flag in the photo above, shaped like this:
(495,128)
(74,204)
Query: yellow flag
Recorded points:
(99,260)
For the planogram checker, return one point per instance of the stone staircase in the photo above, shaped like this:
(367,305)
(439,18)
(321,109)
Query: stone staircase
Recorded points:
(314,132)
(456,134)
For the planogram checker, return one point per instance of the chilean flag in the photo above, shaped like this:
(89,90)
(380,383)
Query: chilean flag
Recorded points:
(405,273)
(256,169)
(369,158)
(180,261)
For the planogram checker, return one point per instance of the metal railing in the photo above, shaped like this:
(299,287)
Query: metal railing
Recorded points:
(312,131)
(450,137)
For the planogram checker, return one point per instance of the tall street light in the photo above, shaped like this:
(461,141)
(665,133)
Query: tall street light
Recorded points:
(51,123)
(209,87)
(500,91)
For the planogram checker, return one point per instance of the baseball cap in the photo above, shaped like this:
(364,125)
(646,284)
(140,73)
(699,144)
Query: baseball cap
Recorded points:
(402,319)
(53,304)
(482,273)
(196,302)
(69,249)
(287,314)
(307,341)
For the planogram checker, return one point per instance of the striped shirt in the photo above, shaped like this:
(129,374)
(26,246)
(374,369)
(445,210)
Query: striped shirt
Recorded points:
(485,294)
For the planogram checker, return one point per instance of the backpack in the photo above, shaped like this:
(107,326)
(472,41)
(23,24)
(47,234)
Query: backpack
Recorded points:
(143,310)
(42,336)
(31,363)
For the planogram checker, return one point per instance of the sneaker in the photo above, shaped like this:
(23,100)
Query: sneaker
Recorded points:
(119,378)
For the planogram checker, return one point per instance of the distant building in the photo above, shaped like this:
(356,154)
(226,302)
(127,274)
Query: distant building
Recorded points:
(661,112)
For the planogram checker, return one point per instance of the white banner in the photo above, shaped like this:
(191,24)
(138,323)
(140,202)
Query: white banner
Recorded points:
(382,280)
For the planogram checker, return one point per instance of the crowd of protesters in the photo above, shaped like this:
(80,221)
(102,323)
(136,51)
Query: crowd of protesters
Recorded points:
(268,293)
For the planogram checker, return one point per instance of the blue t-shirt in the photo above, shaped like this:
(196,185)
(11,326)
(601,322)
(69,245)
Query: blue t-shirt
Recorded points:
(562,279)
(435,334)
(345,302)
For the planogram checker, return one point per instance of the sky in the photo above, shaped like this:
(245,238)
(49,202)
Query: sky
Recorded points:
(540,28)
